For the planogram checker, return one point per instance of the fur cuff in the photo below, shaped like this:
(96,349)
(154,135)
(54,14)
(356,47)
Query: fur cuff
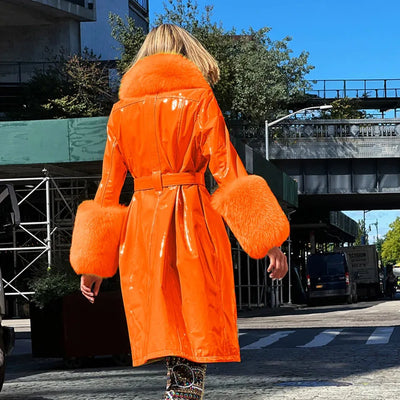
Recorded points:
(253,214)
(96,238)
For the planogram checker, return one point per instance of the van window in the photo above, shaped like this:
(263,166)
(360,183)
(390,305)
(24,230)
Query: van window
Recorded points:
(331,264)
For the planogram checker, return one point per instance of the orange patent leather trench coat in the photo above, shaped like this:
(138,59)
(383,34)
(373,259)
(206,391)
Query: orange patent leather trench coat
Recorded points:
(174,252)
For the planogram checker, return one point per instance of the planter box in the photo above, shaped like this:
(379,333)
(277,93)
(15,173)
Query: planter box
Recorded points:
(72,327)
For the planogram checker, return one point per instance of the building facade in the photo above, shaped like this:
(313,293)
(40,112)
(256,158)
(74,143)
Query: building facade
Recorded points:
(96,35)
(33,32)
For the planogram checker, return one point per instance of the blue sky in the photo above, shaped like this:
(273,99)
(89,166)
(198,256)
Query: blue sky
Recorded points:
(352,39)
(346,39)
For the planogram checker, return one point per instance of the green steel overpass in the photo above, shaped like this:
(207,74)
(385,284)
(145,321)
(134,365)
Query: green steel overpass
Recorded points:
(341,164)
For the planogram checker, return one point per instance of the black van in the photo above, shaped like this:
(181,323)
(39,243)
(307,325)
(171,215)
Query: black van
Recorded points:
(329,276)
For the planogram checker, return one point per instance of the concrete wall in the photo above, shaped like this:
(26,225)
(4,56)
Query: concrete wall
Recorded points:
(31,43)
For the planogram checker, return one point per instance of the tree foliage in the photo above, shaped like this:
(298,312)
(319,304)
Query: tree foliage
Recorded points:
(391,243)
(344,108)
(259,76)
(130,38)
(362,236)
(70,87)
(52,284)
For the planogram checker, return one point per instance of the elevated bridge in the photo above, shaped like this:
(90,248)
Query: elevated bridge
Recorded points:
(371,94)
(340,164)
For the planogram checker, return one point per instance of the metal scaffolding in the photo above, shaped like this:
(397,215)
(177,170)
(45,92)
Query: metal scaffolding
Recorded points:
(47,207)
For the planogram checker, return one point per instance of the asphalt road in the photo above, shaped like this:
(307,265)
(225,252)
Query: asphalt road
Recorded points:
(329,352)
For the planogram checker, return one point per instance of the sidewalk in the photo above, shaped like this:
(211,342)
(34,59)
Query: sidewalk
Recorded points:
(19,325)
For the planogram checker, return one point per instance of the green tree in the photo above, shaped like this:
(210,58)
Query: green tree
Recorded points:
(259,76)
(362,236)
(391,243)
(344,108)
(71,87)
(130,38)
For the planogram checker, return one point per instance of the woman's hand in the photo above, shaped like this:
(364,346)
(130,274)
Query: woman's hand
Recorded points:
(277,263)
(90,286)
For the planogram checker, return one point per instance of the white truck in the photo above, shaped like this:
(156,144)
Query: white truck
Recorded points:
(364,264)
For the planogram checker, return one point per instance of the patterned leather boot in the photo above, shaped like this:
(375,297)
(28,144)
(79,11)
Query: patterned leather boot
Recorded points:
(185,379)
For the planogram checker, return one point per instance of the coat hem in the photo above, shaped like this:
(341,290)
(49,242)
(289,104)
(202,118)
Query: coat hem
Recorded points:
(165,353)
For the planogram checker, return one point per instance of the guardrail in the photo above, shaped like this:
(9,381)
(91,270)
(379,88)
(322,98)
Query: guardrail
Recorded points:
(355,88)
(294,129)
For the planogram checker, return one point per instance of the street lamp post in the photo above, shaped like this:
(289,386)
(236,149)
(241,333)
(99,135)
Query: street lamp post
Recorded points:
(376,226)
(364,235)
(268,124)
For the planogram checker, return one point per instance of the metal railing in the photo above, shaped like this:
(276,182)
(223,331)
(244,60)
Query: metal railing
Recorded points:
(355,88)
(294,129)
(17,73)
(254,289)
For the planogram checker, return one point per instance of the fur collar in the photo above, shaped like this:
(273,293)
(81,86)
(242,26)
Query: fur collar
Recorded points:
(160,73)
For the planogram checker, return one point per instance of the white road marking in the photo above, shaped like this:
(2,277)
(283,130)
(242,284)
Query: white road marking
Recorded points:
(323,338)
(380,335)
(268,340)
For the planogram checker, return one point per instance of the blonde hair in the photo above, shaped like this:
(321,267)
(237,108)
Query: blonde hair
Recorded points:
(168,38)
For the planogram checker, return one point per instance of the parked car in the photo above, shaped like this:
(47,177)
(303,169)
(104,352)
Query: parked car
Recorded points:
(329,275)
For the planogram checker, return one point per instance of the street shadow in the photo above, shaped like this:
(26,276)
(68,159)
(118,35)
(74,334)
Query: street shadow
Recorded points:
(26,366)
(328,364)
(300,309)
(24,397)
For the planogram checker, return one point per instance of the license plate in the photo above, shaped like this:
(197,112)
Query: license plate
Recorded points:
(319,286)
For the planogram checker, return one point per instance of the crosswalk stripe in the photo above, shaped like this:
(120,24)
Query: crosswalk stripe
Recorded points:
(268,340)
(323,338)
(380,335)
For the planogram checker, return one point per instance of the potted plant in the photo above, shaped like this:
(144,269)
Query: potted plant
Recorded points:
(64,324)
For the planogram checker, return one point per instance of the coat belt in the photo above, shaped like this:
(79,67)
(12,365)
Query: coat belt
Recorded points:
(158,181)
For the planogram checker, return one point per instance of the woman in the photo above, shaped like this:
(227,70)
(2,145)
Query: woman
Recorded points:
(171,243)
